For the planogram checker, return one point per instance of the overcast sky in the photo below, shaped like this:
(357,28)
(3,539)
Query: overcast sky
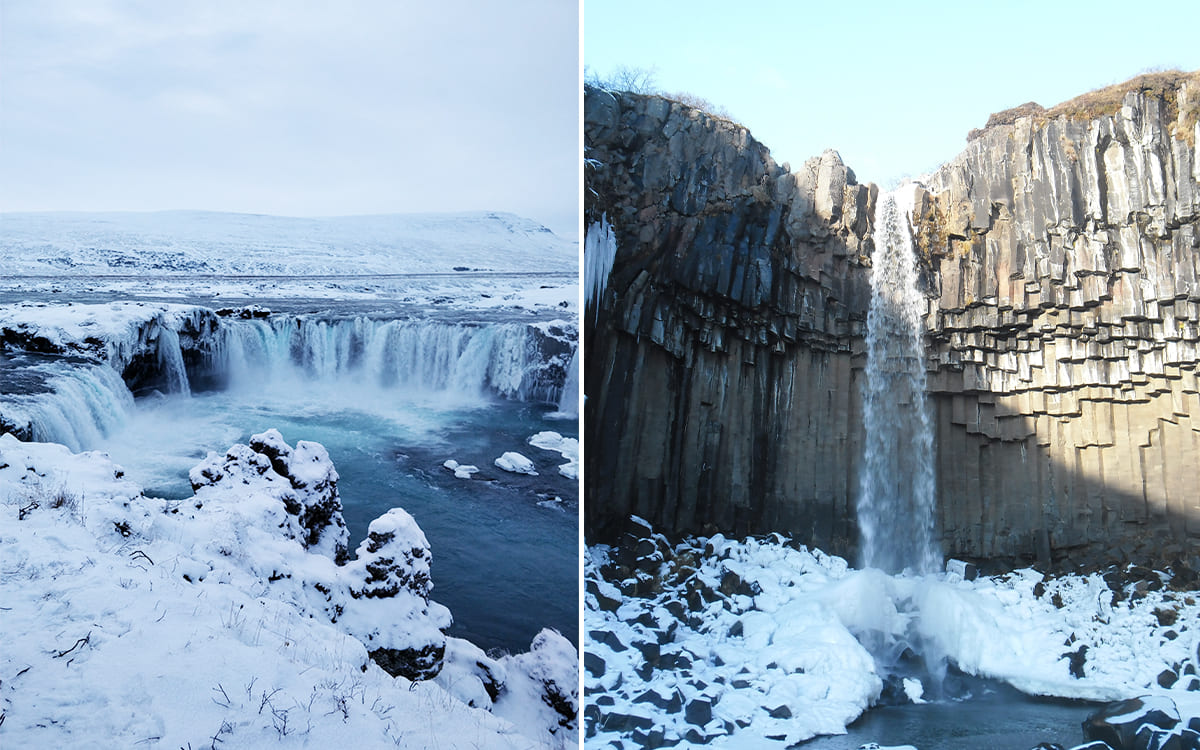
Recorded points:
(893,86)
(291,107)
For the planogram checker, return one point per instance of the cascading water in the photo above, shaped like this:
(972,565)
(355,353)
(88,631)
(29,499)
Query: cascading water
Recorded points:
(417,356)
(896,489)
(170,359)
(568,403)
(82,405)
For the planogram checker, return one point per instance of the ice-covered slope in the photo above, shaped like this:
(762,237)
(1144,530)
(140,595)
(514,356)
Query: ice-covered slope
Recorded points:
(200,242)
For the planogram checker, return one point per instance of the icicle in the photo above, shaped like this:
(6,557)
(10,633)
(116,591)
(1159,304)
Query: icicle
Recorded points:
(599,254)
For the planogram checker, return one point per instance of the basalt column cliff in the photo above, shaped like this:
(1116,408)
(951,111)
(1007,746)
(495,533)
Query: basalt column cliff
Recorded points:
(1059,256)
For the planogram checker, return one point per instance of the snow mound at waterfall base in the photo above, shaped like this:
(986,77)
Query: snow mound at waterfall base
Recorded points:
(747,643)
(131,620)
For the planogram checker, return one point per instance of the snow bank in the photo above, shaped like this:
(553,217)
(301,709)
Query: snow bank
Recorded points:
(745,643)
(112,332)
(715,641)
(136,621)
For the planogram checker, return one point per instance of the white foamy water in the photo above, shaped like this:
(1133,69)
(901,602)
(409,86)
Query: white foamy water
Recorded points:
(896,485)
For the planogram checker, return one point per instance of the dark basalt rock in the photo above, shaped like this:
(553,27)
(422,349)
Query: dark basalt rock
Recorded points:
(413,664)
(1119,724)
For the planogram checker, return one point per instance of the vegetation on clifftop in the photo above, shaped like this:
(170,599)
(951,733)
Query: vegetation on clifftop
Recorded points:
(1183,108)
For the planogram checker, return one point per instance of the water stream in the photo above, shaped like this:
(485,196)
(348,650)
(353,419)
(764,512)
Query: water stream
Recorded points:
(896,485)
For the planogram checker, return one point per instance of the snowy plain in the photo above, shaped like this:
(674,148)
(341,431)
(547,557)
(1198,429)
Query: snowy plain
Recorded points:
(175,641)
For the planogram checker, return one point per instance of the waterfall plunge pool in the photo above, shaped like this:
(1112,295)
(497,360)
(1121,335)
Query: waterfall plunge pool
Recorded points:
(995,716)
(391,400)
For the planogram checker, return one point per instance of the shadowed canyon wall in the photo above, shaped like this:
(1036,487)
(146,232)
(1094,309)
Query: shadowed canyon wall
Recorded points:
(725,356)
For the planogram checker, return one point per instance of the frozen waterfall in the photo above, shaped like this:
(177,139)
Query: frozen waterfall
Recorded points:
(896,501)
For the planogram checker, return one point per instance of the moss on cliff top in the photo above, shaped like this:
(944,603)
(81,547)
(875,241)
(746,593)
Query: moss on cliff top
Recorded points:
(1164,85)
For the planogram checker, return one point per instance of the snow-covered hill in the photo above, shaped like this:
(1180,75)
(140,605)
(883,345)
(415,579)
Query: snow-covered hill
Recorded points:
(201,242)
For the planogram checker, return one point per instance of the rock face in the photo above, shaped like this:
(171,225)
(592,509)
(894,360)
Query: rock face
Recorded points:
(730,320)
(1064,336)
(1059,257)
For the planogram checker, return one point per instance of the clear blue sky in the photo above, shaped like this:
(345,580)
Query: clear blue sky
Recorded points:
(892,86)
(293,108)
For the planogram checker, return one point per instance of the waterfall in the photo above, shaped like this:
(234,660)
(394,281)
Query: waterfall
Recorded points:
(170,359)
(79,404)
(896,489)
(82,405)
(599,254)
(416,356)
(568,403)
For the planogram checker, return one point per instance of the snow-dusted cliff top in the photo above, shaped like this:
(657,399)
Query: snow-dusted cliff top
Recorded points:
(200,242)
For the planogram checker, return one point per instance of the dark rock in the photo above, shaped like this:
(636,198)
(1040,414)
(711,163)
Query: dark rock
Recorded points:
(1118,723)
(671,704)
(412,664)
(608,638)
(1078,658)
(650,739)
(593,664)
(605,603)
(698,711)
(650,651)
(780,712)
(615,721)
(1150,737)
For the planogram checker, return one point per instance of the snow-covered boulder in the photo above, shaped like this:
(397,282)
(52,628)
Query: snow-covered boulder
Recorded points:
(302,482)
(516,463)
(1134,724)
(542,689)
(390,610)
(537,690)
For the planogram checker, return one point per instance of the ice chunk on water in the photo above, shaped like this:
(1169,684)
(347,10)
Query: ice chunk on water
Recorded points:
(516,463)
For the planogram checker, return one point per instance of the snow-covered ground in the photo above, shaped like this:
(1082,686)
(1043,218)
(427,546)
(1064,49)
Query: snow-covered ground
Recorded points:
(762,643)
(222,620)
(229,244)
(130,621)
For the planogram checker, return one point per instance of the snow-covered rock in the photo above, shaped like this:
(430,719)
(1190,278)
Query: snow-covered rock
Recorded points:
(516,463)
(714,638)
(131,620)
(780,641)
(390,610)
(301,482)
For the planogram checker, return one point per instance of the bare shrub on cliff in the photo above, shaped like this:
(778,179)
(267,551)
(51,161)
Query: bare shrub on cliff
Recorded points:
(623,78)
